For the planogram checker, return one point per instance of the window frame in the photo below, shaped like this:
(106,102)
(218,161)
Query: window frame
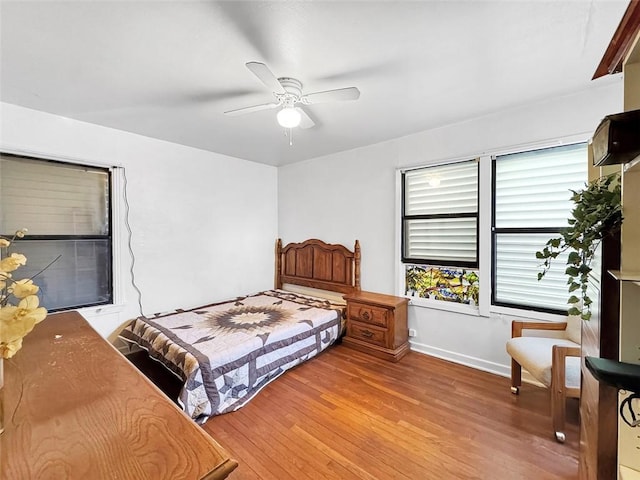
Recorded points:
(403,219)
(495,231)
(110,300)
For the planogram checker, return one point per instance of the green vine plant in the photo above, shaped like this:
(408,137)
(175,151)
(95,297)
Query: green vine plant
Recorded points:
(597,214)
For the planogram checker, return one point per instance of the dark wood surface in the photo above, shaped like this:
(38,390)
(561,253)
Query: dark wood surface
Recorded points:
(348,415)
(75,408)
(314,263)
(621,42)
(599,402)
(377,324)
(170,384)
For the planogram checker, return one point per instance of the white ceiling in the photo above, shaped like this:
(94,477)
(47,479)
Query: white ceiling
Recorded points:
(168,69)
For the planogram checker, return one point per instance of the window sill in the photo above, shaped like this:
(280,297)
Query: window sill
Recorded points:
(531,314)
(101,310)
(493,311)
(442,305)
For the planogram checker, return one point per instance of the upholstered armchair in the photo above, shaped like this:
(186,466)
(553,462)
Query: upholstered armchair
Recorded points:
(553,361)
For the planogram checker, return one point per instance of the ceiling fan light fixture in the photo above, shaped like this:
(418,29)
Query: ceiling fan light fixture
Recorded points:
(289,117)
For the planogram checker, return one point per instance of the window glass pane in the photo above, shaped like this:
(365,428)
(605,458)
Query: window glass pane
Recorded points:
(442,283)
(52,198)
(81,276)
(442,239)
(59,203)
(440,214)
(532,189)
(516,274)
(445,189)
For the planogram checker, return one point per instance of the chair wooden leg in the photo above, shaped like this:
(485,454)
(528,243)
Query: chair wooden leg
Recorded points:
(558,408)
(516,377)
(558,395)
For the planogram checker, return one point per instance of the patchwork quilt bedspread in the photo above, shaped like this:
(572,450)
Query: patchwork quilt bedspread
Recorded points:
(225,353)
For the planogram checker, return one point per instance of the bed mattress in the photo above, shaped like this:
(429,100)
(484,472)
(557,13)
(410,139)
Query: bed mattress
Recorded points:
(226,352)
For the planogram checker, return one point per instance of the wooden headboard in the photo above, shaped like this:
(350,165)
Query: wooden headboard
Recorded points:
(316,264)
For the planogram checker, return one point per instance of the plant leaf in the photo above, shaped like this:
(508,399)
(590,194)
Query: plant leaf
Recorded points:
(572,271)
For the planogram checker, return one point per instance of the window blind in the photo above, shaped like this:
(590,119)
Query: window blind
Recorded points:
(532,188)
(440,215)
(516,273)
(532,202)
(66,211)
(53,198)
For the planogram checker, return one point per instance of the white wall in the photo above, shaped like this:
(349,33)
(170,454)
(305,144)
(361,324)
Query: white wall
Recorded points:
(204,225)
(352,195)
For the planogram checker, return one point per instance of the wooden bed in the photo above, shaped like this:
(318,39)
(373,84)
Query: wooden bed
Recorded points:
(316,264)
(226,352)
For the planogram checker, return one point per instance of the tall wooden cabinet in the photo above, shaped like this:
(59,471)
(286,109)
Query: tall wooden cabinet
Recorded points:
(598,402)
(623,54)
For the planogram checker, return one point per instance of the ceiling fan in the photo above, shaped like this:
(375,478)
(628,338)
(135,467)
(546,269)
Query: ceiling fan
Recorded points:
(288,93)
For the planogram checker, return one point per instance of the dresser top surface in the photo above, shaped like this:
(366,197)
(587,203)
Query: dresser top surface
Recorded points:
(376,299)
(76,408)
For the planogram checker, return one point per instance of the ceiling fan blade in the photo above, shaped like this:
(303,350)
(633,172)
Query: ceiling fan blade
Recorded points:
(265,75)
(305,121)
(339,94)
(254,108)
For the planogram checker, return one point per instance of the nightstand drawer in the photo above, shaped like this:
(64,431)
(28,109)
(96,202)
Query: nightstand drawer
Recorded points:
(368,334)
(368,314)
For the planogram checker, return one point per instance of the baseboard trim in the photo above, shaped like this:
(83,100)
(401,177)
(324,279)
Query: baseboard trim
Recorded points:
(477,363)
(468,361)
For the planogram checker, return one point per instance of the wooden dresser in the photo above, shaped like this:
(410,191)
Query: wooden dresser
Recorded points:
(76,408)
(377,324)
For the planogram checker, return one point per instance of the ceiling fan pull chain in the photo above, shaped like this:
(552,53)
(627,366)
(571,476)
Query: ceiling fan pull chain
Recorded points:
(291,137)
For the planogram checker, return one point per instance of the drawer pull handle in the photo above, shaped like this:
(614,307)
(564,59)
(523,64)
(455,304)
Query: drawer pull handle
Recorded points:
(366,315)
(367,333)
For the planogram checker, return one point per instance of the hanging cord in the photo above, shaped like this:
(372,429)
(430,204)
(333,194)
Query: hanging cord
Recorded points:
(130,235)
(626,403)
(288,132)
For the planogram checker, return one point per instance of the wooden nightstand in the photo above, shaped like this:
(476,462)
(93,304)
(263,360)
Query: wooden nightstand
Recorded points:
(377,324)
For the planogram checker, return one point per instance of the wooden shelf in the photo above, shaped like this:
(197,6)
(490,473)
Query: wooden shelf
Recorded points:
(627,473)
(621,43)
(626,276)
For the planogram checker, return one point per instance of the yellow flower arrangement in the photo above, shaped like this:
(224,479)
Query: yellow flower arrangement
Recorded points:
(20,308)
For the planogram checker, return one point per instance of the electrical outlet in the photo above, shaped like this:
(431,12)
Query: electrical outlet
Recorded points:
(412,332)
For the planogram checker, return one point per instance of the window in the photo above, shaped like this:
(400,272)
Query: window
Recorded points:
(440,232)
(66,209)
(531,203)
(440,215)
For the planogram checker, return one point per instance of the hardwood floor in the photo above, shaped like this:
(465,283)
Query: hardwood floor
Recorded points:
(348,415)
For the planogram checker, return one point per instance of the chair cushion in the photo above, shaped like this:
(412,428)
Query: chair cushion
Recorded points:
(574,328)
(535,355)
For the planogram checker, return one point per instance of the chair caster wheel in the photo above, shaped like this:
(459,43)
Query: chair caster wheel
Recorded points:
(515,390)
(560,437)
